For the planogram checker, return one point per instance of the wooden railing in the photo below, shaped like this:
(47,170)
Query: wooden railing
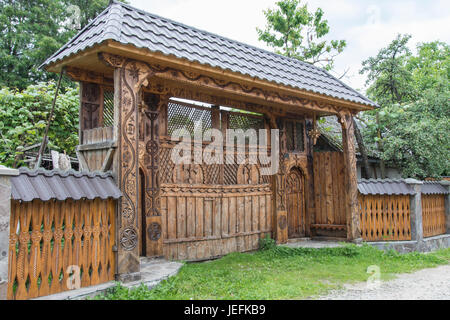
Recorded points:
(385,217)
(57,246)
(433,215)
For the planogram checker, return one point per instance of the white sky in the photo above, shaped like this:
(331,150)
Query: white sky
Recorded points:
(367,25)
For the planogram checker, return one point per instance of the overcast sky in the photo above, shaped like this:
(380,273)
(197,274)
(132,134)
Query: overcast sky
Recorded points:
(367,25)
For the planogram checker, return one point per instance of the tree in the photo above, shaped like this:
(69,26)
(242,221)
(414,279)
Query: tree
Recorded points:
(297,33)
(32,30)
(387,74)
(411,128)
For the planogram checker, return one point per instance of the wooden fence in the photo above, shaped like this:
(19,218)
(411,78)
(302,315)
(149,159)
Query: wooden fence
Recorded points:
(54,242)
(213,221)
(385,217)
(433,215)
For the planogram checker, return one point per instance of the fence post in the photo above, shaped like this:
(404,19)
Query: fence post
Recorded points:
(5,213)
(446,185)
(416,210)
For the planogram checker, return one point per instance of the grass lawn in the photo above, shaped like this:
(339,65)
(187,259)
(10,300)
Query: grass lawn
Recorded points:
(279,273)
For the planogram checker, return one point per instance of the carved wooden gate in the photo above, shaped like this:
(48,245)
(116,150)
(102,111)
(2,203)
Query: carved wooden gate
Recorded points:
(295,190)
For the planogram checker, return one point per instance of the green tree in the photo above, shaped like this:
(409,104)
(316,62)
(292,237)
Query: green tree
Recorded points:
(387,74)
(297,33)
(24,115)
(411,129)
(32,30)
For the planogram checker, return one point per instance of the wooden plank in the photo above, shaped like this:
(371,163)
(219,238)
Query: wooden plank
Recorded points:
(172,217)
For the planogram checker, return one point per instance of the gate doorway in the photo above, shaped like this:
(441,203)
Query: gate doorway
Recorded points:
(295,188)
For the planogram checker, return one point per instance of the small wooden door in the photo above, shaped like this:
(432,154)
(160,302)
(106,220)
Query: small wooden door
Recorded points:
(295,204)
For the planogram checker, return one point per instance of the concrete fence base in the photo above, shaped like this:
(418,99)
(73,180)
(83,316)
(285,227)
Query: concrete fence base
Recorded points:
(425,245)
(5,212)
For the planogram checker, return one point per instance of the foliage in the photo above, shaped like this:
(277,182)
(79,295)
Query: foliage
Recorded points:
(390,81)
(295,32)
(267,243)
(32,30)
(279,273)
(24,114)
(414,118)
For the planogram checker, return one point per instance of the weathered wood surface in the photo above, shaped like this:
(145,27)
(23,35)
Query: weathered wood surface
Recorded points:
(96,148)
(385,217)
(330,192)
(202,222)
(296,207)
(433,215)
(47,238)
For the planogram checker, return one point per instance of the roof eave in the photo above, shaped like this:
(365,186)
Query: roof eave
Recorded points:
(113,46)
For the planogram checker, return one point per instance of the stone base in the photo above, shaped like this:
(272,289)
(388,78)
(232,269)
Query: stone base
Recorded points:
(3,290)
(128,277)
(425,245)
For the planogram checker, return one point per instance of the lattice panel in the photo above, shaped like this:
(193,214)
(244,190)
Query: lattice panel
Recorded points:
(108,108)
(230,174)
(52,241)
(245,121)
(166,166)
(184,117)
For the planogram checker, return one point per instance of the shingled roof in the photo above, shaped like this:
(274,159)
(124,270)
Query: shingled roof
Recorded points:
(130,26)
(62,185)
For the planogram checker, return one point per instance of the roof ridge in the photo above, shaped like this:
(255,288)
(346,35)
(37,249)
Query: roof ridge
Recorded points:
(113,23)
(64,173)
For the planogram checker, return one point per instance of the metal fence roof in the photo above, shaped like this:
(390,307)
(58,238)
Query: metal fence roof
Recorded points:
(62,185)
(433,187)
(397,187)
(130,26)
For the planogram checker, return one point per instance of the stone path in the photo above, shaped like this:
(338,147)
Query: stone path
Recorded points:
(427,284)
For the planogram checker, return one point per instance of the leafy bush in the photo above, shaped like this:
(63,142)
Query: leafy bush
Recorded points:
(267,243)
(23,118)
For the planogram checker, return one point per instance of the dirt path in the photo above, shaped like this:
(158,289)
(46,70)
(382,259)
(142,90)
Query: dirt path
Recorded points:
(427,284)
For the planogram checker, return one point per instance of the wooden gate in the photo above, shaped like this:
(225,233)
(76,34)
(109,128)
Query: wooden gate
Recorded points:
(295,204)
(57,246)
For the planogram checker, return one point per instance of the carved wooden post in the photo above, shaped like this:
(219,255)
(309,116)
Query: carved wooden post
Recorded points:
(279,187)
(351,183)
(311,213)
(129,77)
(153,106)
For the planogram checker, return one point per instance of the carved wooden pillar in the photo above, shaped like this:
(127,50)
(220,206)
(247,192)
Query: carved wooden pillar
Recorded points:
(279,187)
(129,77)
(154,107)
(311,213)
(351,183)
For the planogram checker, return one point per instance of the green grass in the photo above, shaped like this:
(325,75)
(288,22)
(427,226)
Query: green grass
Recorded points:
(279,273)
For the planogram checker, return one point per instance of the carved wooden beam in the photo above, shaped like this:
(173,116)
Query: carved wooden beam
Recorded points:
(219,87)
(88,76)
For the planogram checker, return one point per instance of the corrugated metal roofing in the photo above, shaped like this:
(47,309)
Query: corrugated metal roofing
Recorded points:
(131,26)
(397,187)
(384,187)
(433,187)
(58,185)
